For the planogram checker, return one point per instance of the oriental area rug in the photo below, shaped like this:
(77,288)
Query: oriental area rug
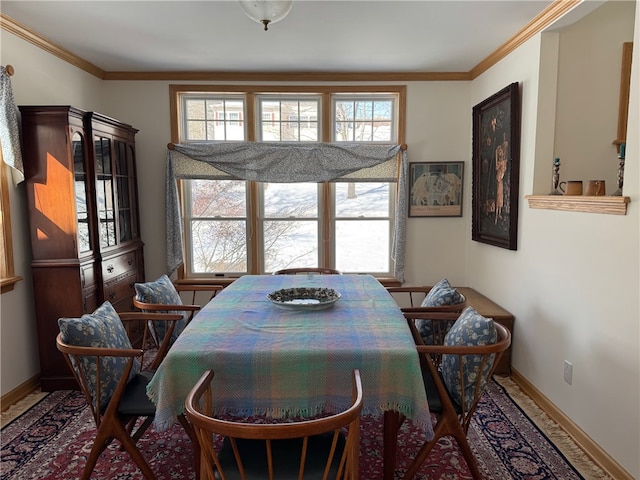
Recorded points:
(52,439)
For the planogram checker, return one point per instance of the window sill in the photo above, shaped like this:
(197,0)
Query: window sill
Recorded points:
(596,204)
(7,284)
(386,281)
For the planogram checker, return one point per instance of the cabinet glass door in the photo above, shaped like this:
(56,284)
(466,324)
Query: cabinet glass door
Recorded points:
(82,205)
(126,201)
(104,192)
(133,181)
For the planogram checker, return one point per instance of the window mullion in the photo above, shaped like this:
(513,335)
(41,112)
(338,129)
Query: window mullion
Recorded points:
(327,226)
(251,120)
(253,223)
(327,221)
(326,118)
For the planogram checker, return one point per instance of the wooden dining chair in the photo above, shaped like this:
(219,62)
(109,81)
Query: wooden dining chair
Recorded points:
(111,376)
(311,270)
(162,295)
(320,448)
(455,374)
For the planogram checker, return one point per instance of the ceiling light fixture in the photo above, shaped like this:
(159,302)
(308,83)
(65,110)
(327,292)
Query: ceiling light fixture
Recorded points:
(266,11)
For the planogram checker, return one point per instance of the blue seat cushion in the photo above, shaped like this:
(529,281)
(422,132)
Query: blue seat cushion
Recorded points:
(102,328)
(470,329)
(161,291)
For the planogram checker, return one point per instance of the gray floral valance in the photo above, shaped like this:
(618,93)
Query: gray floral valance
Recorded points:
(284,163)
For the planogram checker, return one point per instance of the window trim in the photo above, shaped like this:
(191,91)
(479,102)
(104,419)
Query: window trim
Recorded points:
(326,94)
(8,279)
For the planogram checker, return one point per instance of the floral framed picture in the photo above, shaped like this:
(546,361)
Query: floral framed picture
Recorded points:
(496,169)
(435,189)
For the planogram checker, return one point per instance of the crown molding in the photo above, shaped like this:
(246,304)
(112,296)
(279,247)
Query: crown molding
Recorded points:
(553,12)
(545,18)
(10,25)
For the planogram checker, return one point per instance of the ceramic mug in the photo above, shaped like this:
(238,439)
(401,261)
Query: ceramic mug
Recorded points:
(595,187)
(574,187)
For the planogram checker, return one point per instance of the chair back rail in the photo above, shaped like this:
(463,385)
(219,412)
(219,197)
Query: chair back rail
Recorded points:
(416,295)
(199,407)
(315,270)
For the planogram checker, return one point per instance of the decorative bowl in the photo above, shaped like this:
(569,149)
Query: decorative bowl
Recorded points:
(304,298)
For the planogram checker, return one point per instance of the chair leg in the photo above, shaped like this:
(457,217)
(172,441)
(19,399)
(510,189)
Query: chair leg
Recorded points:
(468,455)
(100,443)
(120,432)
(194,442)
(443,428)
(107,432)
(423,453)
(141,429)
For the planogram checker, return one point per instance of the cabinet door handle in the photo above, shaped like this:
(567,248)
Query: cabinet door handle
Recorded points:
(130,262)
(109,268)
(112,295)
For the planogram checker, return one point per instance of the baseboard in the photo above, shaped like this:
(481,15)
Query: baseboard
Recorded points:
(21,391)
(584,441)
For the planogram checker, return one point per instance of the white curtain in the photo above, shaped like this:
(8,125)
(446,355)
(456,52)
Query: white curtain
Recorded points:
(284,163)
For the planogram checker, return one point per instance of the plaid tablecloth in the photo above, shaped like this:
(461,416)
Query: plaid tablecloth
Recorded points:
(280,363)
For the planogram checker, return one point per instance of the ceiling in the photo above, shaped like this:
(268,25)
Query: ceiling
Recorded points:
(317,36)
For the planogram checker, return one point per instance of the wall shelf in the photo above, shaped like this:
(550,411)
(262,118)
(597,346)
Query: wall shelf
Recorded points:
(605,204)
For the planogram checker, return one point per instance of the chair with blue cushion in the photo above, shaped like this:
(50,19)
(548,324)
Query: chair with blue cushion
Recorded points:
(455,374)
(319,448)
(162,295)
(111,376)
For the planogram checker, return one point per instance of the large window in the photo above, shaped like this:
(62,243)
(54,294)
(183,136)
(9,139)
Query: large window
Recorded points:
(235,226)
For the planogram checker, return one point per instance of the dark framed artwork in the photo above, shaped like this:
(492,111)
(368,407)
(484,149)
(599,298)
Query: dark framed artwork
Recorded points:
(496,169)
(435,189)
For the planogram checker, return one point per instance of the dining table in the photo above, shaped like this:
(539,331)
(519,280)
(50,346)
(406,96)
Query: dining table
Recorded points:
(285,361)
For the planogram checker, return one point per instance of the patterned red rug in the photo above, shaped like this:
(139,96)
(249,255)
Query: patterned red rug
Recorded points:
(53,438)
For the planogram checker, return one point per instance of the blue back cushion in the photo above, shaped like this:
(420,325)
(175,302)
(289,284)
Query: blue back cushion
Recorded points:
(102,328)
(470,329)
(161,291)
(442,293)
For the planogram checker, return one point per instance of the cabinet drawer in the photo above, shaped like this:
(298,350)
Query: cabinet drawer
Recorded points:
(113,268)
(121,288)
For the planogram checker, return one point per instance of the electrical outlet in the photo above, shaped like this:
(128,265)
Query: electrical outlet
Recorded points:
(568,372)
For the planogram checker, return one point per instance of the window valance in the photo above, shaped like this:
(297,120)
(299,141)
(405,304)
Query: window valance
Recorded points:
(277,162)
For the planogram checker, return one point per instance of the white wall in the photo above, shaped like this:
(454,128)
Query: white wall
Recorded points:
(572,284)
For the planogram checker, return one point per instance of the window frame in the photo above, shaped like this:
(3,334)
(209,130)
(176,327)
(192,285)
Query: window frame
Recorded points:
(8,278)
(252,121)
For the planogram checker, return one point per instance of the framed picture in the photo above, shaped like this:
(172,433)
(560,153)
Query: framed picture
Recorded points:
(496,169)
(436,189)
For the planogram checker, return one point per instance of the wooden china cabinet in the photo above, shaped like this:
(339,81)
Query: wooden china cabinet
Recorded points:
(83,212)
